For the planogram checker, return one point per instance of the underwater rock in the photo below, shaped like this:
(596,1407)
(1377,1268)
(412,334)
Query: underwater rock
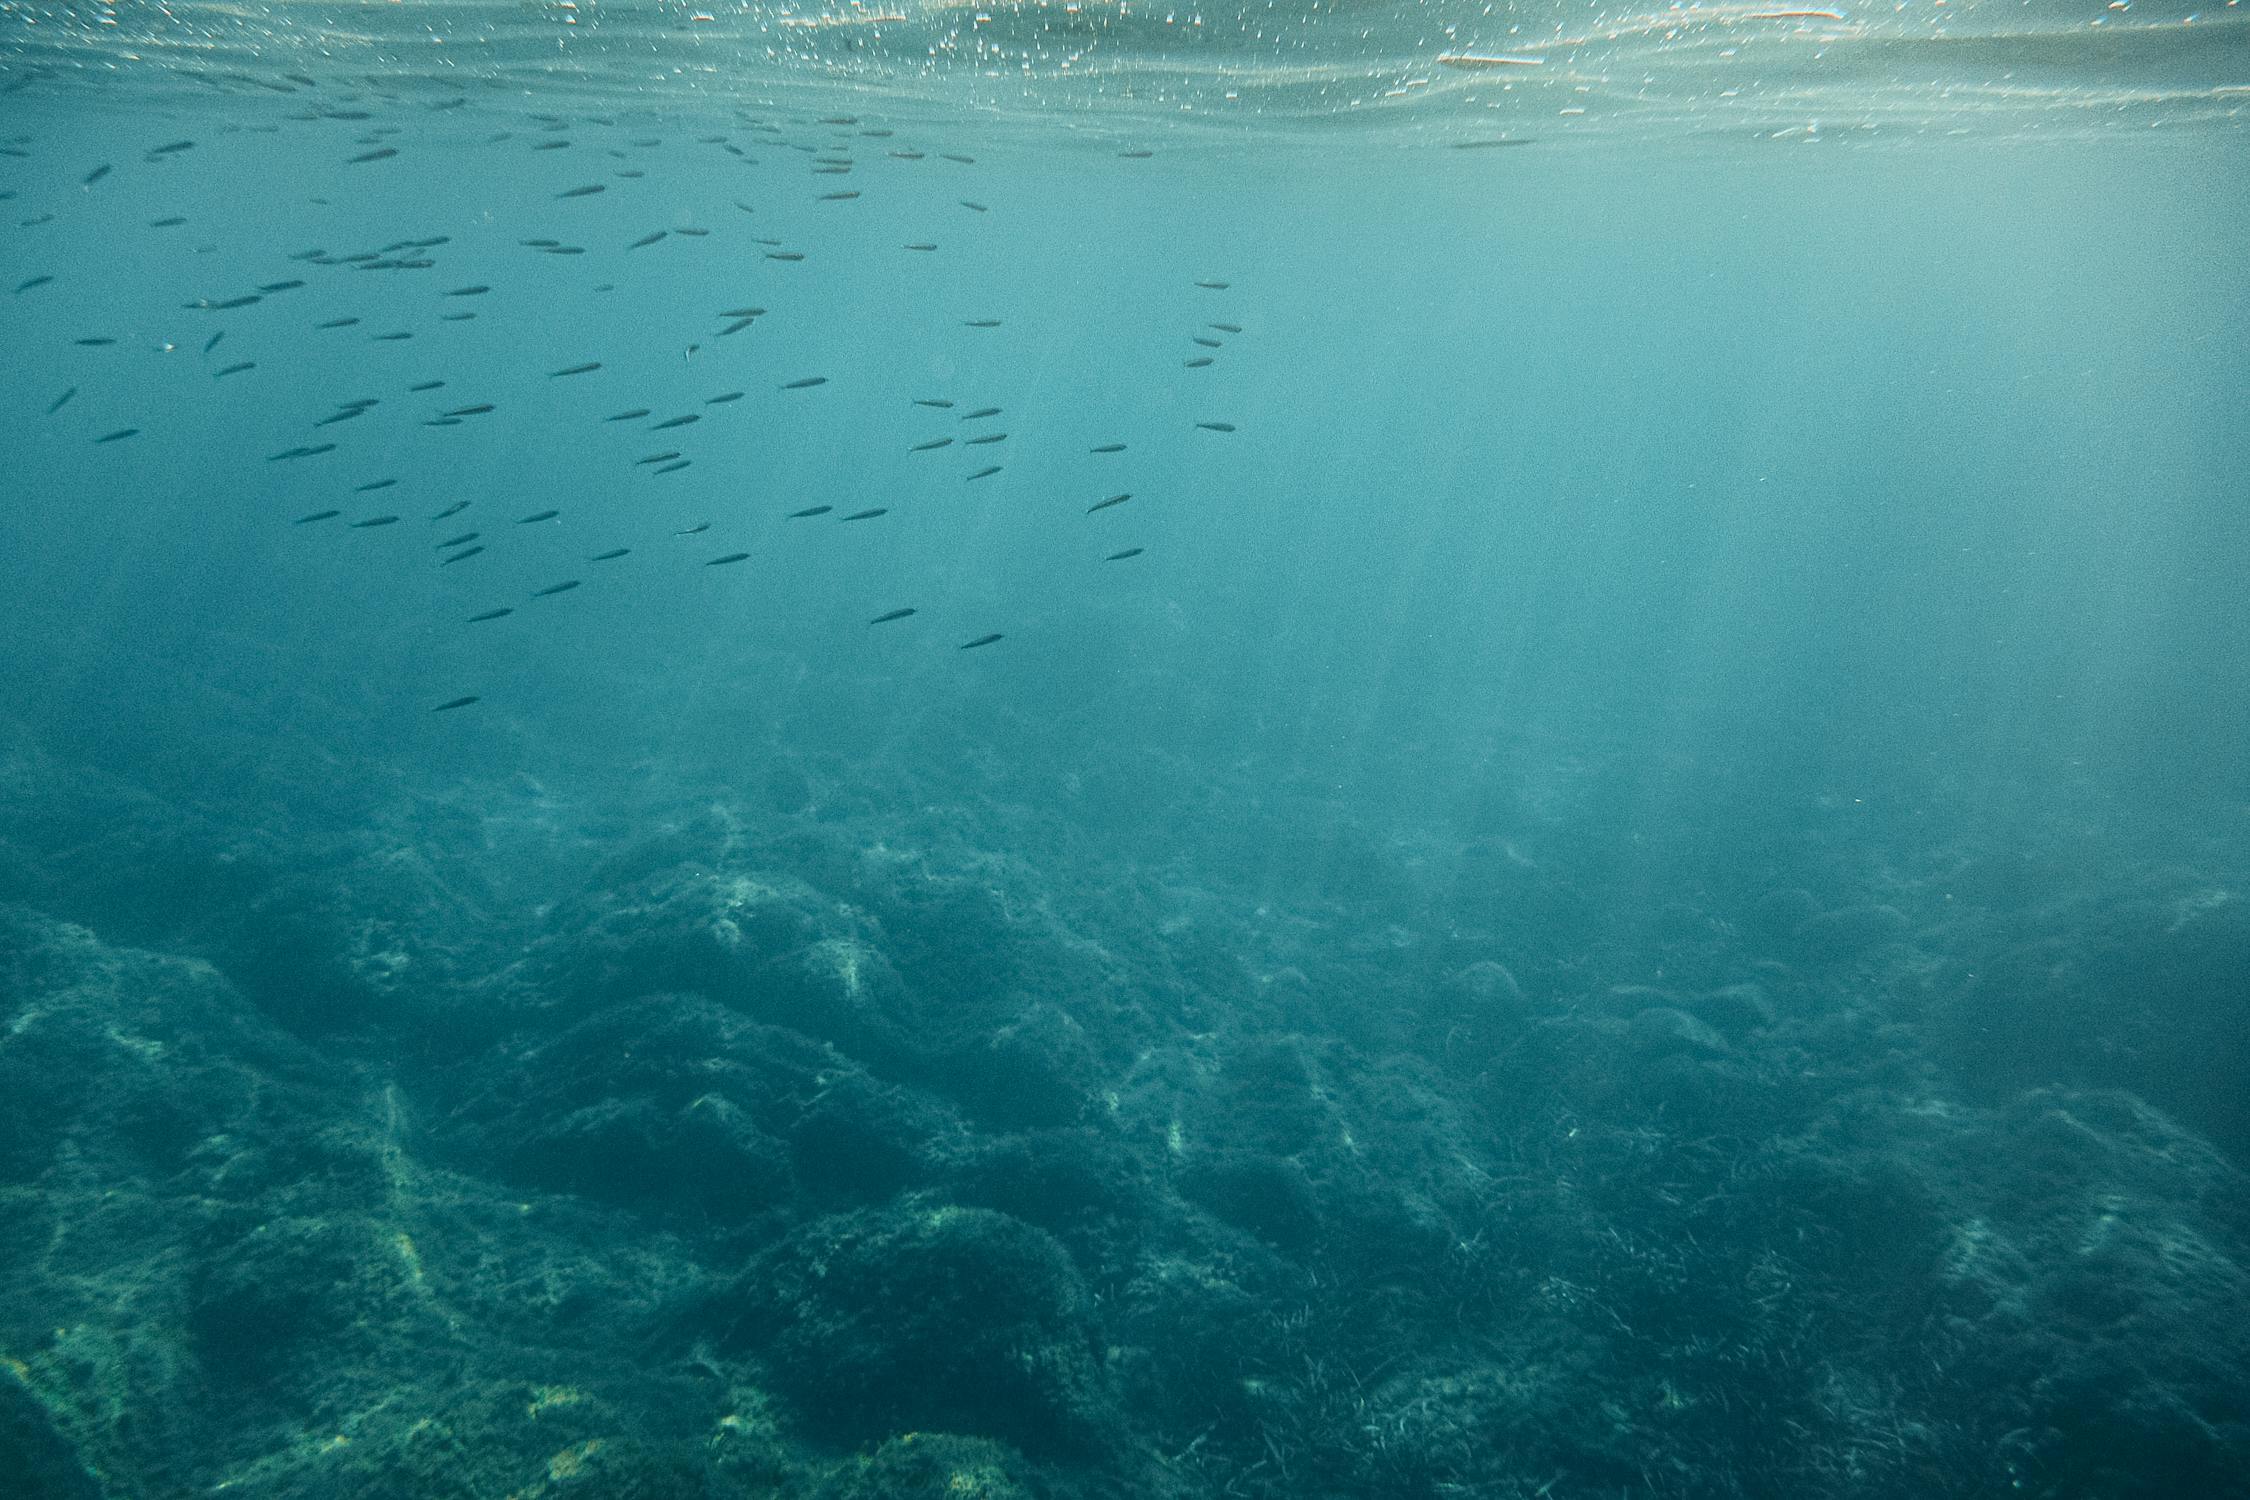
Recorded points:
(38,1463)
(1035,1072)
(1263,1195)
(928,1466)
(1663,1031)
(1847,934)
(861,1140)
(1736,1010)
(918,1317)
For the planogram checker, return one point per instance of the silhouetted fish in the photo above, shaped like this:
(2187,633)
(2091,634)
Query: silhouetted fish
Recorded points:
(791,255)
(731,557)
(1121,556)
(465,291)
(1198,364)
(490,614)
(867,515)
(456,557)
(889,615)
(805,384)
(1225,327)
(810,510)
(982,640)
(628,416)
(428,385)
(1212,286)
(975,207)
(462,540)
(611,555)
(461,702)
(646,240)
(337,323)
(931,401)
(981,412)
(980,323)
(61,401)
(675,466)
(921,247)
(986,473)
(983,439)
(1106,504)
(555,588)
(477,410)
(1216,426)
(723,399)
(1108,448)
(373,485)
(454,509)
(27,285)
(538,515)
(691,417)
(235,369)
(373,521)
(587,191)
(378,154)
(932,443)
(318,515)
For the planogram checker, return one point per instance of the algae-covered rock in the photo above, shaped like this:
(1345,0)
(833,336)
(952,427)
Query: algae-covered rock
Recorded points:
(928,1466)
(960,1319)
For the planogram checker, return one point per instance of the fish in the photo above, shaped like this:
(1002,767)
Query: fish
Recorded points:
(452,703)
(25,286)
(982,411)
(539,244)
(1121,556)
(587,191)
(456,557)
(986,473)
(462,540)
(907,155)
(94,343)
(428,385)
(235,369)
(1213,286)
(1201,363)
(723,399)
(454,509)
(836,197)
(1136,155)
(980,323)
(692,233)
(982,640)
(791,255)
(281,286)
(567,250)
(538,515)
(731,557)
(932,443)
(1106,504)
(810,510)
(975,207)
(213,341)
(61,401)
(585,369)
(1108,448)
(490,614)
(373,485)
(563,587)
(628,416)
(1216,426)
(806,384)
(691,417)
(392,338)
(743,312)
(736,326)
(983,438)
(1225,327)
(1206,343)
(342,416)
(318,515)
(337,323)
(695,530)
(464,291)
(230,303)
(675,466)
(966,161)
(175,146)
(921,247)
(931,401)
(867,515)
(657,458)
(378,154)
(645,240)
(312,451)
(478,410)
(889,615)
(610,556)
(374,521)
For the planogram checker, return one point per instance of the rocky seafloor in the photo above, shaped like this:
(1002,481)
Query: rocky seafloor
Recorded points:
(798,1142)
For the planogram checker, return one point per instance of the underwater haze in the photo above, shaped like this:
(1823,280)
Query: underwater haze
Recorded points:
(1072,751)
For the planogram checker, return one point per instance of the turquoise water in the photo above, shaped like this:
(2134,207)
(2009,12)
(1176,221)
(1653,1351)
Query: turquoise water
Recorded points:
(1619,871)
